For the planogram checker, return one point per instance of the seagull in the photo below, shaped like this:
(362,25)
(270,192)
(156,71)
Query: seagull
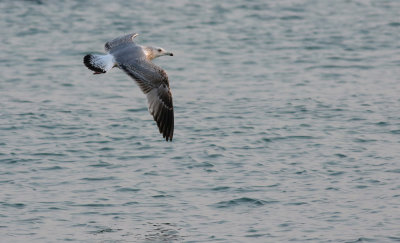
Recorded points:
(136,61)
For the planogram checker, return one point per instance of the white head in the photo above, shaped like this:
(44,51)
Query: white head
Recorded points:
(154,52)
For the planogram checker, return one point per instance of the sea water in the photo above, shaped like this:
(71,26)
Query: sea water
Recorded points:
(287,123)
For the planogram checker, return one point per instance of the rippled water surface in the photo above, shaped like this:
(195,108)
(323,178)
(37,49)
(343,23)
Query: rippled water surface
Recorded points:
(287,123)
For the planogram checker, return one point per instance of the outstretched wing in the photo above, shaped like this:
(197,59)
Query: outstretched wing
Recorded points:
(120,40)
(153,81)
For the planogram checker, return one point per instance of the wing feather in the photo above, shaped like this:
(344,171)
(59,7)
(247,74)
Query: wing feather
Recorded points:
(153,81)
(162,113)
(120,40)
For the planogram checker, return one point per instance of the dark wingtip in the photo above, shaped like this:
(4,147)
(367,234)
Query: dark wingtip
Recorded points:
(167,133)
(166,125)
(168,137)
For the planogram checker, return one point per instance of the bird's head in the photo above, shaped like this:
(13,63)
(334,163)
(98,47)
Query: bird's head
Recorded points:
(154,52)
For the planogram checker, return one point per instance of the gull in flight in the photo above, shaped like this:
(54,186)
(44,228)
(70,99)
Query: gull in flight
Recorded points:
(135,60)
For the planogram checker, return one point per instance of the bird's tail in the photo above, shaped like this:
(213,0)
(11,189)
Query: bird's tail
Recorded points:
(99,63)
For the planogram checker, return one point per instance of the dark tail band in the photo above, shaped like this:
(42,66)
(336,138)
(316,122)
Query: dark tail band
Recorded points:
(88,61)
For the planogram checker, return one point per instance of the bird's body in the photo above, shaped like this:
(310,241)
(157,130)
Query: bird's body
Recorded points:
(135,60)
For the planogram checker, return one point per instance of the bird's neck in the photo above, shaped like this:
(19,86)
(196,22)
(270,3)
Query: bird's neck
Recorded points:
(148,52)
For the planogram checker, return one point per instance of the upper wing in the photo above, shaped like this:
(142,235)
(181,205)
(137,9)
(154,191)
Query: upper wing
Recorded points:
(153,81)
(119,40)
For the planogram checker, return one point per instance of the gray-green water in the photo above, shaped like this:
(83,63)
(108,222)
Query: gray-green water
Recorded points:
(287,119)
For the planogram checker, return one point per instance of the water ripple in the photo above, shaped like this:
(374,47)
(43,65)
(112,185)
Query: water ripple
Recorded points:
(243,201)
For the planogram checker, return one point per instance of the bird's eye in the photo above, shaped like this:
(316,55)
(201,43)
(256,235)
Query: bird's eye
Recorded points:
(159,50)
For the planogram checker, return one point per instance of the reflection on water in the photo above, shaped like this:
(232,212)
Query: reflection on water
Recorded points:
(163,232)
(148,232)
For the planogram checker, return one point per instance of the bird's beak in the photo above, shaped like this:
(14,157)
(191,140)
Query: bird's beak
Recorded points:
(169,54)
